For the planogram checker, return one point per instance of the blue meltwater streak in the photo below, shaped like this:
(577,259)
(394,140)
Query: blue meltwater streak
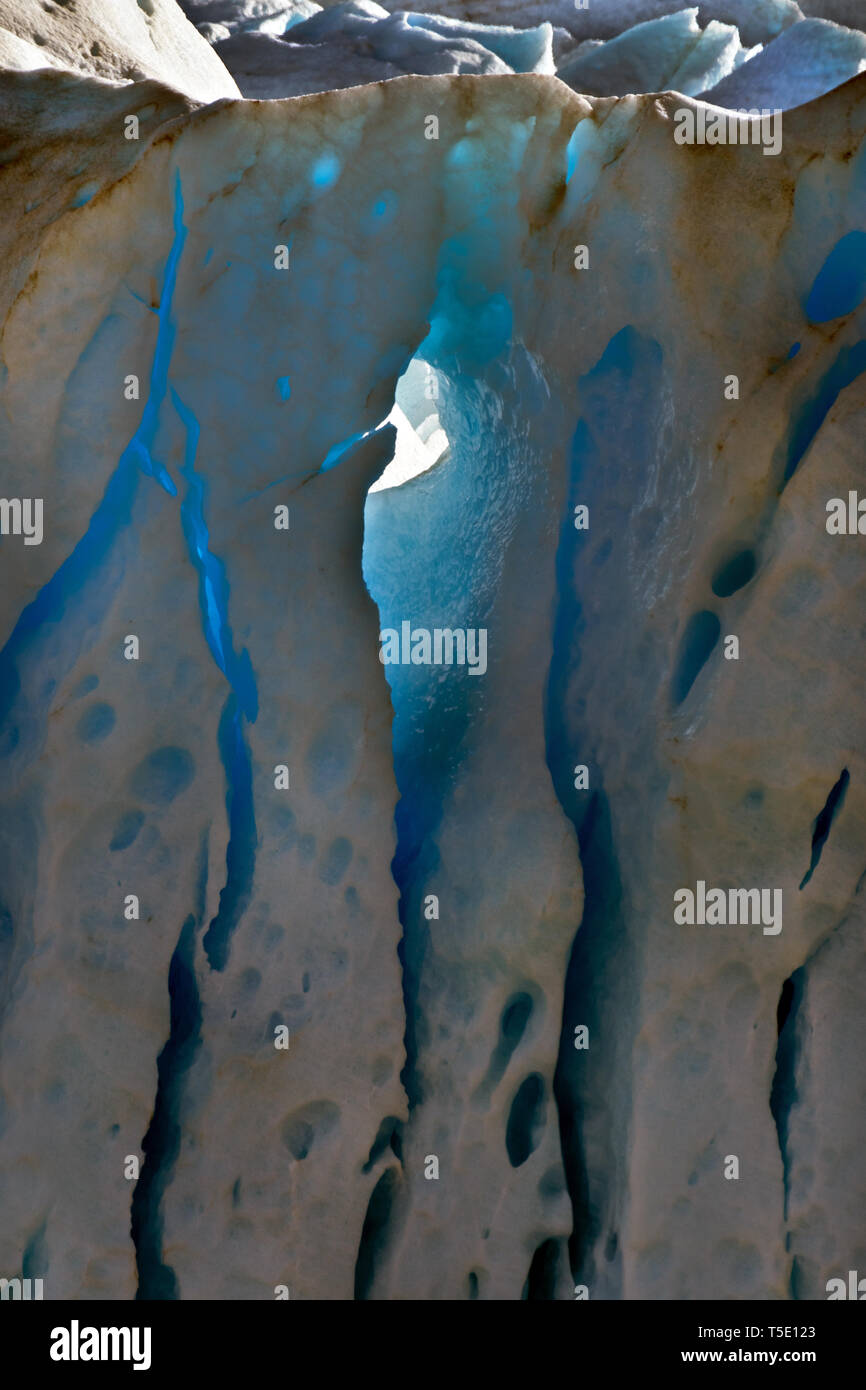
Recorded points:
(80,571)
(336,452)
(840,285)
(849,364)
(241,848)
(213,584)
(572,153)
(141,443)
(242,702)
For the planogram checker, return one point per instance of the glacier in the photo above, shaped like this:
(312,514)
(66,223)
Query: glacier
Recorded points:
(375,382)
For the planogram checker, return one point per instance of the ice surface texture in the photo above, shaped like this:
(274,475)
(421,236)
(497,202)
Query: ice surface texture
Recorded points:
(120,40)
(410,1036)
(737,53)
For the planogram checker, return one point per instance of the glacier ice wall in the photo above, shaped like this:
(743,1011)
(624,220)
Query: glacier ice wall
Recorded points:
(263,906)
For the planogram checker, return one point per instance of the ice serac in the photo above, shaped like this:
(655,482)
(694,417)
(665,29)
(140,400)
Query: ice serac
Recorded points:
(120,40)
(713,526)
(806,61)
(278,52)
(219,18)
(757,20)
(419,1032)
(848,12)
(358,41)
(484,950)
(180,805)
(136,821)
(668,53)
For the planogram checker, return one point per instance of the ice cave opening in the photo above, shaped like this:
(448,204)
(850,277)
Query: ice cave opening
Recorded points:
(472,426)
(421,441)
